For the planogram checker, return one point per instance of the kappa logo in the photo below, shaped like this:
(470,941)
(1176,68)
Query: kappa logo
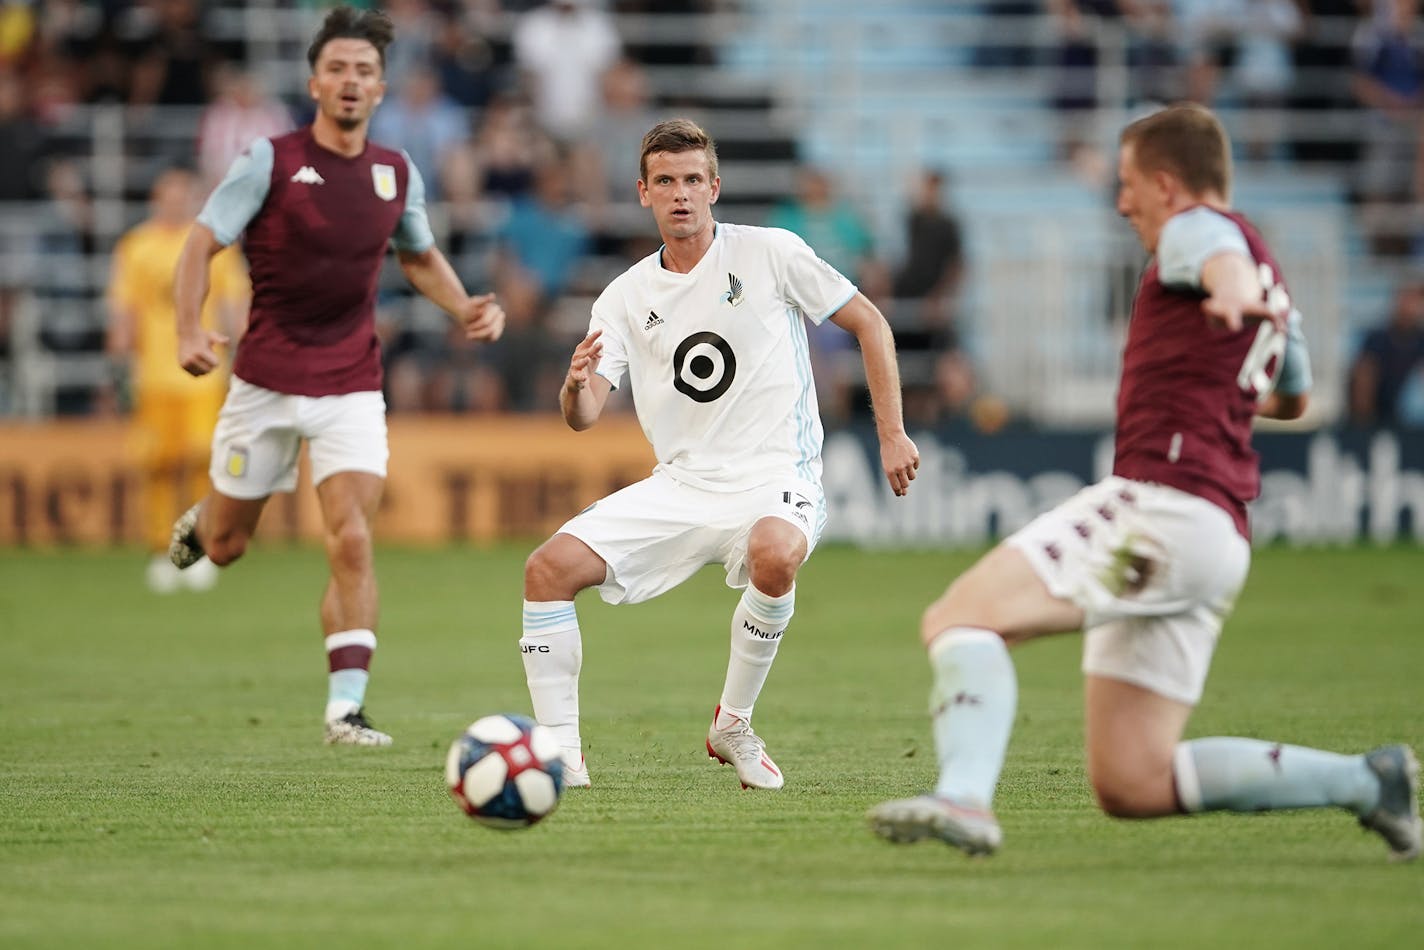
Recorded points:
(306,175)
(653,320)
(733,295)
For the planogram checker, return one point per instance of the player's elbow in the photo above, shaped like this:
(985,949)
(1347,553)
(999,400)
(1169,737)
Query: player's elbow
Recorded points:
(1286,406)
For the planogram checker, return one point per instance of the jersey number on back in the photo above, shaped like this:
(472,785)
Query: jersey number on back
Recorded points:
(703,367)
(1263,361)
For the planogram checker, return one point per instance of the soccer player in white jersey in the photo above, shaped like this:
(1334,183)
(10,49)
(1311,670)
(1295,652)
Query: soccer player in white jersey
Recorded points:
(710,332)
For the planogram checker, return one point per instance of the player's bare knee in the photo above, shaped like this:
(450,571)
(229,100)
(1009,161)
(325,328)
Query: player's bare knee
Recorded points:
(226,547)
(350,543)
(956,607)
(554,572)
(1133,794)
(772,566)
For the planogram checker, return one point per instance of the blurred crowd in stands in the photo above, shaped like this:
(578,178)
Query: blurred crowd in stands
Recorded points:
(525,118)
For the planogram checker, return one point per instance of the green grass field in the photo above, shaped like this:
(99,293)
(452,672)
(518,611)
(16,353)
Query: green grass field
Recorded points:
(163,784)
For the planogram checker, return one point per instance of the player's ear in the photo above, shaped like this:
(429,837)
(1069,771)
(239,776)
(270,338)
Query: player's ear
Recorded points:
(716,190)
(643,194)
(311,87)
(380,92)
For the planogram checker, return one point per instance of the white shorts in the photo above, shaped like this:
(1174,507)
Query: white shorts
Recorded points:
(657,533)
(1155,570)
(259,434)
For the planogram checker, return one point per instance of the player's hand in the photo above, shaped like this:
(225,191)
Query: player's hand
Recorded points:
(197,352)
(483,319)
(584,362)
(900,458)
(1232,315)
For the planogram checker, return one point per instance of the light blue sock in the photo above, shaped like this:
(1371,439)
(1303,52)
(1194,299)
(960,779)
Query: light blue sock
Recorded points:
(972,704)
(345,692)
(348,657)
(1230,774)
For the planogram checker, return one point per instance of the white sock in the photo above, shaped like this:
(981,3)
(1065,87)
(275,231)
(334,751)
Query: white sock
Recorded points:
(348,659)
(1231,774)
(972,705)
(552,650)
(757,626)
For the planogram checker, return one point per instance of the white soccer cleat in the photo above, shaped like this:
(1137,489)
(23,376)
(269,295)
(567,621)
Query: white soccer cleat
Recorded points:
(1396,817)
(201,576)
(576,776)
(161,576)
(183,548)
(906,820)
(354,729)
(744,750)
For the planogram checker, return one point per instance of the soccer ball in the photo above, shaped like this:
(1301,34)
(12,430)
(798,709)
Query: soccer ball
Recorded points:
(505,771)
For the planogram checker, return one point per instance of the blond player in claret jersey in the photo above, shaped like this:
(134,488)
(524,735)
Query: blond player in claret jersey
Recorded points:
(317,210)
(1149,561)
(710,332)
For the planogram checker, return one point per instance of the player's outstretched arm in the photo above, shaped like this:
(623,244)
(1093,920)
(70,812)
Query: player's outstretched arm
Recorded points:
(898,455)
(1235,295)
(430,273)
(197,345)
(584,392)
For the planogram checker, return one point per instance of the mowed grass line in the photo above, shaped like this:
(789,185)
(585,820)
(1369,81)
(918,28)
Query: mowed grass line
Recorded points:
(162,782)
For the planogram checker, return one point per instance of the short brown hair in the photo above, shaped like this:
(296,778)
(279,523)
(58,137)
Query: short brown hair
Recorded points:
(1187,141)
(677,135)
(348,23)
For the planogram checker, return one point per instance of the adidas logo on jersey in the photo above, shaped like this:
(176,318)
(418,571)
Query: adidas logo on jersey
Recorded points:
(306,175)
(653,321)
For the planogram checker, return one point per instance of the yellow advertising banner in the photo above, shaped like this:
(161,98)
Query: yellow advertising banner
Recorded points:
(451,478)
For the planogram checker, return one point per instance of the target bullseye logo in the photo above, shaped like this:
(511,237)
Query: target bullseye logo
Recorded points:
(703,367)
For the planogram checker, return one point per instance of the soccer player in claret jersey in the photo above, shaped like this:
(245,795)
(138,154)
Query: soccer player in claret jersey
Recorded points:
(317,209)
(710,331)
(1149,561)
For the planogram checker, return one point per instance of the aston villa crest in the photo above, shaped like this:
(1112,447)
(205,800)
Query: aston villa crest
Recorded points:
(384,178)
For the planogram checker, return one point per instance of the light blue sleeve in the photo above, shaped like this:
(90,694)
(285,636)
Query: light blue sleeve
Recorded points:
(413,234)
(1190,239)
(239,196)
(1294,377)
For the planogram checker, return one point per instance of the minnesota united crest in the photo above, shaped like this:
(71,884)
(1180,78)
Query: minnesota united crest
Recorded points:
(734,295)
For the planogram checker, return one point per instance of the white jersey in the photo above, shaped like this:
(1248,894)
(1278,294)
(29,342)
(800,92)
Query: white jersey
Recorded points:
(717,357)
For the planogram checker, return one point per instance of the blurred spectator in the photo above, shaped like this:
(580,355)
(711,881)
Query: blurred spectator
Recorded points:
(833,227)
(1243,45)
(1389,83)
(417,27)
(424,122)
(1390,363)
(17,34)
(465,62)
(615,143)
(240,112)
(563,49)
(22,142)
(508,146)
(842,239)
(21,147)
(544,240)
(938,378)
(1323,68)
(171,53)
(1080,29)
(66,300)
